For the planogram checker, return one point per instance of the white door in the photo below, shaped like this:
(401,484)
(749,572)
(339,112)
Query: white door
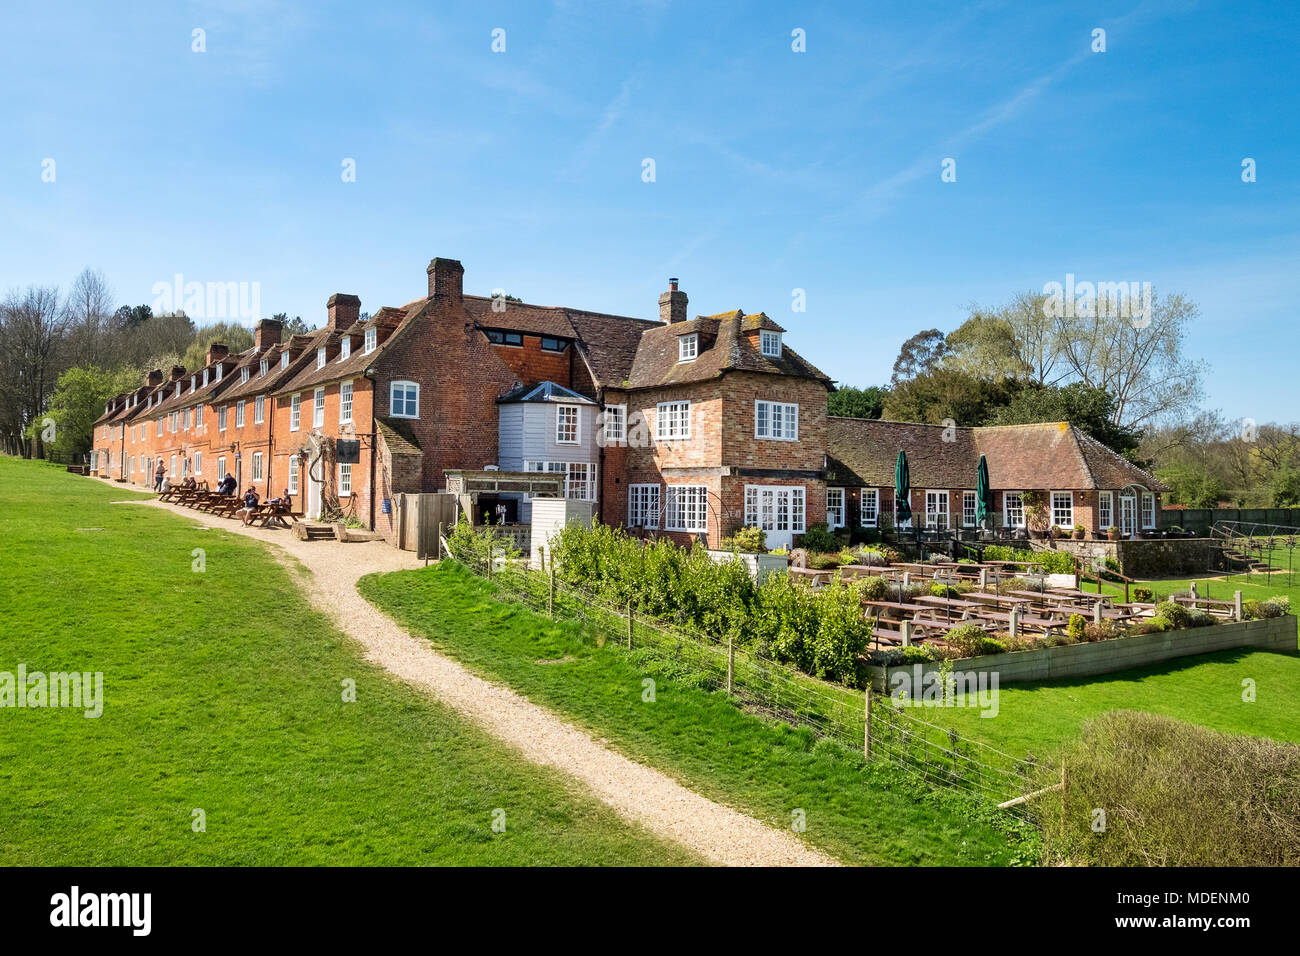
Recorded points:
(778,510)
(314,488)
(1128,508)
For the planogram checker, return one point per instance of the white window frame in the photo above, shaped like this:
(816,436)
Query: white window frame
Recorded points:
(295,412)
(757,515)
(262,367)
(1007,510)
(345,347)
(198,463)
(969,508)
(776,421)
(643,506)
(259,409)
(765,338)
(257,467)
(284,359)
(406,387)
(294,464)
(937,497)
(160,426)
(345,403)
(221,418)
(613,425)
(220,368)
(673,421)
(869,515)
(686,508)
(243,374)
(837,508)
(1106,506)
(688,347)
(318,408)
(221,468)
(345,479)
(173,466)
(1147,505)
(568,424)
(320,357)
(1058,510)
(372,340)
(239,413)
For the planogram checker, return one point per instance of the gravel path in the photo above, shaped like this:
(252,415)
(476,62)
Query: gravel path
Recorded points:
(635,791)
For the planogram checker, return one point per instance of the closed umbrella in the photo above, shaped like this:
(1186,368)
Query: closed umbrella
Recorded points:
(902,489)
(983,497)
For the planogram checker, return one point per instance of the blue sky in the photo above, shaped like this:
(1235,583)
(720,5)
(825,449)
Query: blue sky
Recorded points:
(775,170)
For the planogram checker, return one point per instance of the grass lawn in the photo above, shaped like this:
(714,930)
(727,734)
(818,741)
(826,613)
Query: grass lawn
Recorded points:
(860,813)
(223,692)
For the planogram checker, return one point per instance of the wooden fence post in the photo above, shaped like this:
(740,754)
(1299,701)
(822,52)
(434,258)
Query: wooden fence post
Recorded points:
(438,544)
(550,595)
(866,735)
(1236,606)
(731,663)
(1014,622)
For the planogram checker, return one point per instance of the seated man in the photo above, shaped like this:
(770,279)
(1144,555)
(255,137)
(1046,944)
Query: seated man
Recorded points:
(189,483)
(250,504)
(166,484)
(227,486)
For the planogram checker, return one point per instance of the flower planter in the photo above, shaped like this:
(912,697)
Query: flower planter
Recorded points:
(1078,535)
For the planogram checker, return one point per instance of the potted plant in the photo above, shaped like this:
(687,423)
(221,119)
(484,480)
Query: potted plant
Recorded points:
(1055,532)
(1035,504)
(1112,533)
(1079,532)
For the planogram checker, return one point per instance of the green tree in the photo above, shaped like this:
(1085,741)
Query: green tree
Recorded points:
(850,402)
(945,394)
(919,355)
(79,398)
(1089,408)
(1191,485)
(985,346)
(231,334)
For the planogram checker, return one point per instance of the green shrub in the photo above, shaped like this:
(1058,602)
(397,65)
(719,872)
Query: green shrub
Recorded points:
(895,656)
(1153,775)
(822,561)
(1198,618)
(1103,630)
(1255,610)
(875,588)
(1282,601)
(1143,595)
(1077,628)
(1152,625)
(1175,613)
(991,645)
(967,639)
(818,540)
(749,539)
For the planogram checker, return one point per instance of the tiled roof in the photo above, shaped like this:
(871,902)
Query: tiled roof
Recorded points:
(1050,455)
(398,436)
(724,347)
(275,375)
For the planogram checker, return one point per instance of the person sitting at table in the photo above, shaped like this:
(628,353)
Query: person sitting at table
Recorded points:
(227,486)
(189,484)
(251,500)
(166,484)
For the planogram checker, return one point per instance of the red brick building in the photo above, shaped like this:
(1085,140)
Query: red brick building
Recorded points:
(688,427)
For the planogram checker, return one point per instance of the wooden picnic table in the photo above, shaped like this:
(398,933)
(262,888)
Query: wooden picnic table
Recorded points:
(895,606)
(999,598)
(268,514)
(815,576)
(947,601)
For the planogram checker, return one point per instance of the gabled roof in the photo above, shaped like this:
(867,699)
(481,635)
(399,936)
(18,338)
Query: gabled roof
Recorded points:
(1047,456)
(724,347)
(307,375)
(542,393)
(275,376)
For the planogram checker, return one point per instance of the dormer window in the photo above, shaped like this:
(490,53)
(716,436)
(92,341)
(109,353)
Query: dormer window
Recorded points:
(284,359)
(243,374)
(261,369)
(205,378)
(345,348)
(688,347)
(219,369)
(320,357)
(770,343)
(193,381)
(372,339)
(178,389)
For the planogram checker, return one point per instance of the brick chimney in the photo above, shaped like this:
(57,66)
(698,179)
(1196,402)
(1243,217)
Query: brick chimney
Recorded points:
(217,350)
(267,334)
(154,378)
(342,310)
(178,373)
(672,304)
(446,280)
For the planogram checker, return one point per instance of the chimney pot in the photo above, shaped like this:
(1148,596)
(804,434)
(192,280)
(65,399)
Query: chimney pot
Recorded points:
(267,334)
(178,373)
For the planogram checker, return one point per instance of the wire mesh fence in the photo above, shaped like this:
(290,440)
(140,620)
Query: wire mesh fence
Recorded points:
(936,755)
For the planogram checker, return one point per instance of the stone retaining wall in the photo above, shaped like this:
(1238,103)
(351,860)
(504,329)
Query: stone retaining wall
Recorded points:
(1104,657)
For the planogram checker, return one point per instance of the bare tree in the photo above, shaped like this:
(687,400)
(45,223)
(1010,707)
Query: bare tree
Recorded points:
(32,329)
(90,312)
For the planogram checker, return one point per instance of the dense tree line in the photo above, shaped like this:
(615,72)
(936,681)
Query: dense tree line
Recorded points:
(64,355)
